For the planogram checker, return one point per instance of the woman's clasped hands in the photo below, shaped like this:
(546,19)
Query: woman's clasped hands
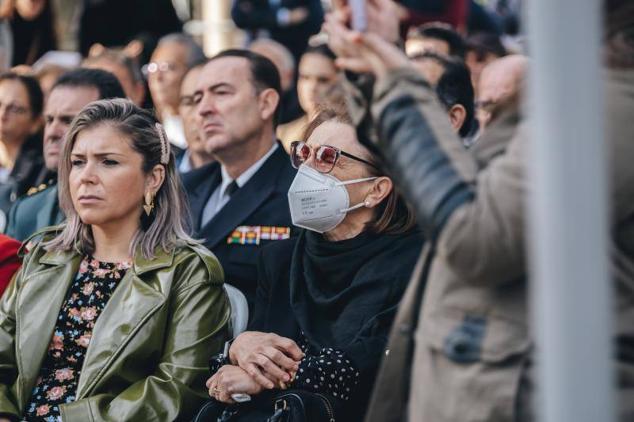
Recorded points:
(259,361)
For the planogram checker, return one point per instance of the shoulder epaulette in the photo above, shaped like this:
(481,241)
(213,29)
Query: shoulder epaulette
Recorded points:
(35,189)
(35,238)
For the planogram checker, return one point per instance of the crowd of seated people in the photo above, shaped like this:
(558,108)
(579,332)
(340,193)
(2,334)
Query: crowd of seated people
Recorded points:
(213,259)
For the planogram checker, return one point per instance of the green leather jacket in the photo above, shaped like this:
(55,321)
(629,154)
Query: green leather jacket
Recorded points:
(147,360)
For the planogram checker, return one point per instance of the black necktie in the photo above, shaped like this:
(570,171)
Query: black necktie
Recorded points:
(233,186)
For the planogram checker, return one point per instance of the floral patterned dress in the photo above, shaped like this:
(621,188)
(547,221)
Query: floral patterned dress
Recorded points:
(59,375)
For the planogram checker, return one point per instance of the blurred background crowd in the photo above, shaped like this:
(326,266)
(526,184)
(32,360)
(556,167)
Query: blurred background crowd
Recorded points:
(150,45)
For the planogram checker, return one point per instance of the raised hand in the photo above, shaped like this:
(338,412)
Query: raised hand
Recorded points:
(372,51)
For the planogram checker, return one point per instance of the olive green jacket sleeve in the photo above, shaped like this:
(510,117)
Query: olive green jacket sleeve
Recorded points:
(148,355)
(196,328)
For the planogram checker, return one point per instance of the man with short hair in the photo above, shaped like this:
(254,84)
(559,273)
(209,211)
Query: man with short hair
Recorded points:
(72,92)
(451,80)
(239,203)
(124,68)
(174,55)
(285,64)
(435,37)
(500,86)
(499,105)
(195,156)
(482,49)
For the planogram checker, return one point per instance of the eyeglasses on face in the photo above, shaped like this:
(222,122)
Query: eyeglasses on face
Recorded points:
(14,109)
(325,156)
(155,67)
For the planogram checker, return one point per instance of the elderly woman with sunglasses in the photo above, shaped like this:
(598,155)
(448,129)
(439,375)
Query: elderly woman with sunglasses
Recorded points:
(326,299)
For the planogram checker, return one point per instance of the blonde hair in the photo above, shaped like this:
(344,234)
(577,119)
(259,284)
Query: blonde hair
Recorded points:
(166,225)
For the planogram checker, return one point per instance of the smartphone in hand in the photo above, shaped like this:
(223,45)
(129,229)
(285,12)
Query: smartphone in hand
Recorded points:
(359,17)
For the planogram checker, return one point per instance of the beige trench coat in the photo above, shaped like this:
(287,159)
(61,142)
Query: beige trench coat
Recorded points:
(463,356)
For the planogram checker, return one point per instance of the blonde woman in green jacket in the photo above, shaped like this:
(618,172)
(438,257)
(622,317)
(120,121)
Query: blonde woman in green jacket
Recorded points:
(114,314)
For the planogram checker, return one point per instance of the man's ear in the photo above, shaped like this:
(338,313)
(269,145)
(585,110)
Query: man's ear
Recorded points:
(457,116)
(36,125)
(268,101)
(138,94)
(380,190)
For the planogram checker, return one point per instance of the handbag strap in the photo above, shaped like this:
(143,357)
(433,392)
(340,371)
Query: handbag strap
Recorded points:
(281,410)
(228,414)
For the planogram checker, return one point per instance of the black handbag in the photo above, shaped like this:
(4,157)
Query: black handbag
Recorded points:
(302,406)
(283,406)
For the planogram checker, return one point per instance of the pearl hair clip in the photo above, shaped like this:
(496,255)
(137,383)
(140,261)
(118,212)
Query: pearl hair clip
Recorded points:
(165,146)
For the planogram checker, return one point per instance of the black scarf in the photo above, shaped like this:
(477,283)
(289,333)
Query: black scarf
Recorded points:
(345,293)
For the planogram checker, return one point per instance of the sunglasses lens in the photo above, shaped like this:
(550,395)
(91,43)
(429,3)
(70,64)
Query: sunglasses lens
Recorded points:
(326,158)
(299,153)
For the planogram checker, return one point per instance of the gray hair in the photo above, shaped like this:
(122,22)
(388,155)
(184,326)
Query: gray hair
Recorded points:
(167,228)
(263,45)
(119,58)
(195,53)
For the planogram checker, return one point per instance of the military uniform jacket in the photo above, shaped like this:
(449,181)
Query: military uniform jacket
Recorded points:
(33,213)
(255,208)
(147,360)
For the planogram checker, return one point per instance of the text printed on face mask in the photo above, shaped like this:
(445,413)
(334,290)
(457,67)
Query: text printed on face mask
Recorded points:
(310,204)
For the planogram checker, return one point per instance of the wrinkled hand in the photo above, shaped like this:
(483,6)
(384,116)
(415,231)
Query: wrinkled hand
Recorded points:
(231,380)
(383,17)
(363,52)
(271,360)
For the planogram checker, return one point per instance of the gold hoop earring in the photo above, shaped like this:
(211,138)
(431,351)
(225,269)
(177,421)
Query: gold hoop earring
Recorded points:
(149,203)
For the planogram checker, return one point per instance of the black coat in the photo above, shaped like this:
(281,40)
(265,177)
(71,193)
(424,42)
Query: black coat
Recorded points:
(262,201)
(114,23)
(253,15)
(274,312)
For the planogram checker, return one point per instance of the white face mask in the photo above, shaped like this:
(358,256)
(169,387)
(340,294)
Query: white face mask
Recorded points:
(318,201)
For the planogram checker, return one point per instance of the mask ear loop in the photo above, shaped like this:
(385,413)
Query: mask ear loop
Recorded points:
(354,207)
(350,182)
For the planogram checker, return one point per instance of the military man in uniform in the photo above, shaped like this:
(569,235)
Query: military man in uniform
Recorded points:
(239,203)
(72,91)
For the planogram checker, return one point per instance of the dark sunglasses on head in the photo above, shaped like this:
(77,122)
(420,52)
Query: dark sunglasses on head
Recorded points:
(325,157)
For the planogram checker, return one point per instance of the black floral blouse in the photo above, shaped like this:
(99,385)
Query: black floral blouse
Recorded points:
(59,375)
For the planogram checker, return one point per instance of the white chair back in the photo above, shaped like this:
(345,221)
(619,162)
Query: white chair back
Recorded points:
(239,310)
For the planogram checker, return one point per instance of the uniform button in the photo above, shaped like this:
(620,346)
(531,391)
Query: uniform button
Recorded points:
(460,347)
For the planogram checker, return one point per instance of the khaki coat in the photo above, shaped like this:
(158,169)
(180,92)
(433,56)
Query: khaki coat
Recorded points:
(460,348)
